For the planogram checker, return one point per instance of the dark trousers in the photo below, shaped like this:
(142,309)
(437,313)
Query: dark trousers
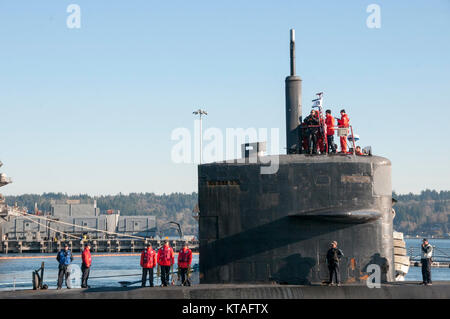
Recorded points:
(334,272)
(330,141)
(63,274)
(426,270)
(165,272)
(150,276)
(312,139)
(84,278)
(184,279)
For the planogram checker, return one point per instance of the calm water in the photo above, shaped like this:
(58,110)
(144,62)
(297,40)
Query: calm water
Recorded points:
(19,270)
(437,274)
(125,268)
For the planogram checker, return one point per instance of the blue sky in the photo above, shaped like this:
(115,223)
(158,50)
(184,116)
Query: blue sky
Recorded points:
(91,110)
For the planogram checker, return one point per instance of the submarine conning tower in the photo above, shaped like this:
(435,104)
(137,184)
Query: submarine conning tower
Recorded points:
(277,227)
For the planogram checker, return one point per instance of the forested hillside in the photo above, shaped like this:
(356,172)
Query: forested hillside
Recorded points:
(425,214)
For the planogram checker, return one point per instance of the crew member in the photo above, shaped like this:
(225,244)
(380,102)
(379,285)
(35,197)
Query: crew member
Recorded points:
(343,122)
(312,129)
(333,256)
(184,264)
(329,121)
(358,150)
(427,252)
(148,262)
(165,261)
(321,134)
(86,262)
(64,257)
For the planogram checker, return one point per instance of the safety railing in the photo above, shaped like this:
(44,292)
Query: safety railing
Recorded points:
(174,279)
(304,127)
(439,254)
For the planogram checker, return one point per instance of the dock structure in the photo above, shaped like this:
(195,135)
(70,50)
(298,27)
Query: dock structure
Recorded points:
(97,245)
(74,218)
(441,257)
(436,264)
(4,209)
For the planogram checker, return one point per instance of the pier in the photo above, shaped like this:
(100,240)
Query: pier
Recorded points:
(97,245)
(435,264)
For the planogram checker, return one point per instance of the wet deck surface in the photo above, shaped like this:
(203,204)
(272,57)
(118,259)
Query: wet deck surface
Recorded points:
(404,290)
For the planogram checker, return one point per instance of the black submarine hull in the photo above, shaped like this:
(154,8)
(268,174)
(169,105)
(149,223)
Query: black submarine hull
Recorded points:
(277,227)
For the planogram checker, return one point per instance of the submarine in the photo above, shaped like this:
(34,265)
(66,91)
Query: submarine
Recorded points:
(276,228)
(265,236)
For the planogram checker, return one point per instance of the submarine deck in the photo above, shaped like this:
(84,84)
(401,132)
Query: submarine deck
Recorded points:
(398,290)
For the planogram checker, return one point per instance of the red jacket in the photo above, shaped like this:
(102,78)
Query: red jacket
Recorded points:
(86,257)
(166,257)
(329,121)
(148,258)
(184,258)
(343,122)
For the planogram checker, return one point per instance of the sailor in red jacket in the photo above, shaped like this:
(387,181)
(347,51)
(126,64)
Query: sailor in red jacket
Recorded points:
(343,122)
(86,261)
(166,258)
(148,262)
(329,121)
(184,263)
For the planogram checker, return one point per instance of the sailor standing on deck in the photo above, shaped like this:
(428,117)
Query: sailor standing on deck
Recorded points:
(166,259)
(329,121)
(86,262)
(426,253)
(184,264)
(311,123)
(333,256)
(148,262)
(343,123)
(64,258)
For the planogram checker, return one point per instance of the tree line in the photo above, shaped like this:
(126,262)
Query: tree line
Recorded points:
(424,214)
